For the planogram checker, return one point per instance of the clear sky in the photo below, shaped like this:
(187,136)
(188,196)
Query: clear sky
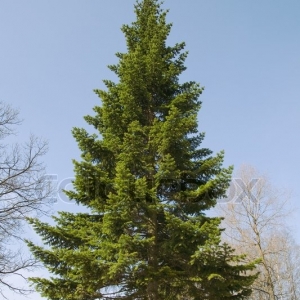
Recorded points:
(246,54)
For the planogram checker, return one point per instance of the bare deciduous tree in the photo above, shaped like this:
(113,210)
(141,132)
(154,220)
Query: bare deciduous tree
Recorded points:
(24,191)
(255,222)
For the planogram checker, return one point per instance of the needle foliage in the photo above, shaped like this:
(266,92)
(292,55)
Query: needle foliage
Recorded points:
(147,183)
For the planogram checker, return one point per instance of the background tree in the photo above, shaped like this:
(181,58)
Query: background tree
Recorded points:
(146,184)
(23,192)
(255,222)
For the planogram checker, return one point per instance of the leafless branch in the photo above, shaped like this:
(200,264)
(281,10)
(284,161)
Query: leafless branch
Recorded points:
(24,191)
(258,228)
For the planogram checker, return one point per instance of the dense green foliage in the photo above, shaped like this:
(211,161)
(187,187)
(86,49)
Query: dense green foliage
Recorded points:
(147,184)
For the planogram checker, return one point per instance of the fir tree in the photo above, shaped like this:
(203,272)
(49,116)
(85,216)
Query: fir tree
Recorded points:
(147,184)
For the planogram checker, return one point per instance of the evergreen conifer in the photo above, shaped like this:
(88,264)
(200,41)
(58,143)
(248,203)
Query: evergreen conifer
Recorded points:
(147,184)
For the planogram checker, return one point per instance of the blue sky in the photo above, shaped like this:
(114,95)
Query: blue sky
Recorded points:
(246,54)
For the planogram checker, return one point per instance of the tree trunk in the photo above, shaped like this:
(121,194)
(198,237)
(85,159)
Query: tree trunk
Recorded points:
(152,288)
